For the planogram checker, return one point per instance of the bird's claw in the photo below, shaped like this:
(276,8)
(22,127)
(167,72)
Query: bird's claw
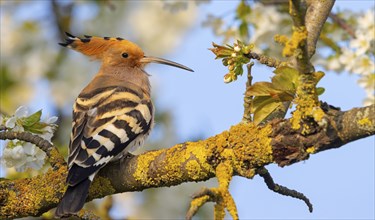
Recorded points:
(221,195)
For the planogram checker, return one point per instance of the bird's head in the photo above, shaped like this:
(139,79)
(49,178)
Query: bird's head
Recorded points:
(114,51)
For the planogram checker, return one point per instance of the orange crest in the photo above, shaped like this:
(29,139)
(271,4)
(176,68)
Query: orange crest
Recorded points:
(94,47)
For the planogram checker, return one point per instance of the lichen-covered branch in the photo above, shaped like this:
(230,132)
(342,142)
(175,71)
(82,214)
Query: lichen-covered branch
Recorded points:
(298,44)
(245,146)
(337,129)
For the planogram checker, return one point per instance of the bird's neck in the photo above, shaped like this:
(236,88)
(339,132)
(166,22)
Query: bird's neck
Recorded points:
(136,76)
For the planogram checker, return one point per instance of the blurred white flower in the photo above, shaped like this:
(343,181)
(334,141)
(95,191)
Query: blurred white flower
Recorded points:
(348,59)
(267,21)
(21,112)
(367,21)
(34,157)
(216,23)
(14,157)
(11,122)
(368,83)
(361,44)
(364,66)
(23,156)
(149,26)
(334,64)
(51,120)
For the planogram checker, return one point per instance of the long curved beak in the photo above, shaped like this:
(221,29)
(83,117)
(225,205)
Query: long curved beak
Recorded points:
(149,59)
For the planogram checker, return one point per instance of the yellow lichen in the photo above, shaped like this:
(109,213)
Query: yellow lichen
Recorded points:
(281,39)
(251,144)
(189,159)
(224,173)
(101,187)
(296,119)
(193,168)
(198,202)
(299,37)
(240,150)
(219,211)
(307,102)
(366,122)
(28,195)
(311,150)
(143,163)
(230,204)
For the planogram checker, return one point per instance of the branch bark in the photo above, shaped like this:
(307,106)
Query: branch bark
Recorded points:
(246,146)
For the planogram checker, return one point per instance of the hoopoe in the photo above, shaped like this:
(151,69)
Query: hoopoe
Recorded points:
(111,116)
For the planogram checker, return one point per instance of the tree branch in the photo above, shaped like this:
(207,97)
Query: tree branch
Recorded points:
(316,16)
(263,59)
(342,23)
(246,146)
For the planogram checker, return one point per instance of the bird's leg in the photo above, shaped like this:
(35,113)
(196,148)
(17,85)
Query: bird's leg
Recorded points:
(220,195)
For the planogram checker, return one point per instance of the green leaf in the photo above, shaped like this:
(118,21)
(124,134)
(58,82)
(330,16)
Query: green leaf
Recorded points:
(286,78)
(31,120)
(268,89)
(37,128)
(264,106)
(261,89)
(320,90)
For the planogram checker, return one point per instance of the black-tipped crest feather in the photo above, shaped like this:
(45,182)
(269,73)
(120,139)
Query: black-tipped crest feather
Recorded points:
(68,41)
(70,35)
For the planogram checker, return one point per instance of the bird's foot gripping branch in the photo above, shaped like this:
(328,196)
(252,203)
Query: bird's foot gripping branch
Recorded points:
(220,195)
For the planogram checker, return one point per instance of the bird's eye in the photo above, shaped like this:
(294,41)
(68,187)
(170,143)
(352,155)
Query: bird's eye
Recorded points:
(125,55)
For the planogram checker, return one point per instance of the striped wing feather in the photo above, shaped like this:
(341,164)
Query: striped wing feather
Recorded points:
(106,124)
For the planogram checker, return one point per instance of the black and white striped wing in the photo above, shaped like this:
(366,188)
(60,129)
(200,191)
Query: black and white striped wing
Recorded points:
(106,125)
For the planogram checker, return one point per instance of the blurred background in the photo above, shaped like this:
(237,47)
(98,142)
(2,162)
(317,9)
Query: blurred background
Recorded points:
(39,74)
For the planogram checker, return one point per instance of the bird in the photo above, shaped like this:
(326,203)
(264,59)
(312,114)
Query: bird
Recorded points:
(112,116)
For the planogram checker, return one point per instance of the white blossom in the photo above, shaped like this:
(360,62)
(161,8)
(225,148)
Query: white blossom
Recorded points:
(348,59)
(11,122)
(364,66)
(361,44)
(23,155)
(366,22)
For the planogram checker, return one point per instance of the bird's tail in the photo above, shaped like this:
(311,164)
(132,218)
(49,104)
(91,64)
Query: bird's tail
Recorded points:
(73,199)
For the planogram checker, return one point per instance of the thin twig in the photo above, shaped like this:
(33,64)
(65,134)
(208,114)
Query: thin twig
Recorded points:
(342,23)
(263,172)
(247,100)
(263,59)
